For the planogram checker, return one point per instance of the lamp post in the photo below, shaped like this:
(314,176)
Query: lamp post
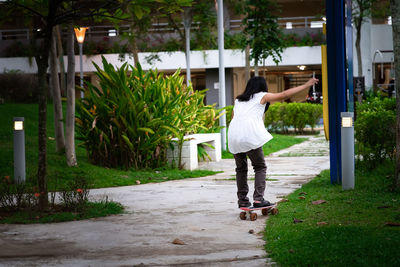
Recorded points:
(19,150)
(187,22)
(220,18)
(80,37)
(347,143)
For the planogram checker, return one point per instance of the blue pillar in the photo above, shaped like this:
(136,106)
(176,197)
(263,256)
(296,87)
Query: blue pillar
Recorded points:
(335,38)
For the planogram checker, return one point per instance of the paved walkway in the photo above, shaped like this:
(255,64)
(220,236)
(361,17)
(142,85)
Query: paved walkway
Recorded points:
(201,213)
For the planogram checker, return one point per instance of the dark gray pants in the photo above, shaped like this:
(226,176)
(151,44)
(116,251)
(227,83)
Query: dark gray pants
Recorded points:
(256,157)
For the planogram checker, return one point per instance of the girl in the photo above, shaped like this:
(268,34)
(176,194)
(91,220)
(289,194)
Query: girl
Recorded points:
(247,135)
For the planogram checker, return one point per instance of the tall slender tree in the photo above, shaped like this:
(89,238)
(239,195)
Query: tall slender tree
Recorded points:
(361,12)
(262,31)
(395,8)
(47,15)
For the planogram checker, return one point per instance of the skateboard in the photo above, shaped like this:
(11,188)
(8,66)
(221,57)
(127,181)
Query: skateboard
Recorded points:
(253,216)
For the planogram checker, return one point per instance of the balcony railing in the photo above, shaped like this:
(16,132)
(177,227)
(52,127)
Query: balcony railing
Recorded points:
(111,31)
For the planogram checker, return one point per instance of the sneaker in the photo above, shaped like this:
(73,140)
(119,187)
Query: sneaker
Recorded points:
(262,203)
(244,204)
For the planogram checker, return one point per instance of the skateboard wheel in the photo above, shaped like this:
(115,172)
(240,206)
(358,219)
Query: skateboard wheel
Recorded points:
(264,212)
(242,215)
(253,216)
(274,211)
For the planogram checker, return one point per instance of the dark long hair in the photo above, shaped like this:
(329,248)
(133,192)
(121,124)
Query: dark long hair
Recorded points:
(254,86)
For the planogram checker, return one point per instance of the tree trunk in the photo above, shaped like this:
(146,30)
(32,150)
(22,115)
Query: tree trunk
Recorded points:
(42,61)
(395,8)
(247,71)
(70,116)
(358,49)
(55,84)
(60,52)
(256,69)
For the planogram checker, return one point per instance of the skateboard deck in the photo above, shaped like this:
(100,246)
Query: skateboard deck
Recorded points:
(253,216)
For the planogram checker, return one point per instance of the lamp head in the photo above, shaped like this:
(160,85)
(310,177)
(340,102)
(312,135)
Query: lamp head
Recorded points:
(80,34)
(18,124)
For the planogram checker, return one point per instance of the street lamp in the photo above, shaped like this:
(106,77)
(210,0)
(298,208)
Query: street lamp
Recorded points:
(221,94)
(19,150)
(80,37)
(187,22)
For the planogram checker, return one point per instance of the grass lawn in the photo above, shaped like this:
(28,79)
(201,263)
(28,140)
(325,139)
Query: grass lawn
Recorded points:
(352,228)
(279,142)
(58,172)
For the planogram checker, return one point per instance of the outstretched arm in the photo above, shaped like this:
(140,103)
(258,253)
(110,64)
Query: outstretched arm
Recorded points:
(273,97)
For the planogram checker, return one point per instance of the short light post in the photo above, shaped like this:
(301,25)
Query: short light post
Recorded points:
(19,150)
(347,132)
(80,37)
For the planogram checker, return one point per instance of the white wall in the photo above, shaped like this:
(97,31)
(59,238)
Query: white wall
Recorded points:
(171,61)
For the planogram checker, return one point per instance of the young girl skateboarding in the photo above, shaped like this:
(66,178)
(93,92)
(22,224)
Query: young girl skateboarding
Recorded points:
(247,135)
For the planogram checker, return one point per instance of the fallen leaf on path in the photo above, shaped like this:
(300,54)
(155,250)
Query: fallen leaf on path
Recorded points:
(178,242)
(317,202)
(395,224)
(251,231)
(297,220)
(322,223)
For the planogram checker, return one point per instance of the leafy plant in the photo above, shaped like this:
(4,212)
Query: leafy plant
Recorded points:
(131,119)
(375,130)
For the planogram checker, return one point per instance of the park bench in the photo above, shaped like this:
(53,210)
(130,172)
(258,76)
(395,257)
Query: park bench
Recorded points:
(189,149)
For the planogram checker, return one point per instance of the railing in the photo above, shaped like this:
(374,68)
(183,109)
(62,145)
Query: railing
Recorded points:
(111,31)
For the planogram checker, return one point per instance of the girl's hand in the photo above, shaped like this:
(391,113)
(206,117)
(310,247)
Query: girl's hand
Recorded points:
(311,82)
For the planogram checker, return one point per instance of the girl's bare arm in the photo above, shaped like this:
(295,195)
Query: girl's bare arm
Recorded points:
(273,97)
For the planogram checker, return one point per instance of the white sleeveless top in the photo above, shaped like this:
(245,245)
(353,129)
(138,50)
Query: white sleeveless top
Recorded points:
(246,130)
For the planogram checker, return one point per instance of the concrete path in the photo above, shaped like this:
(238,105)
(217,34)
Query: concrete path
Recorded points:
(199,213)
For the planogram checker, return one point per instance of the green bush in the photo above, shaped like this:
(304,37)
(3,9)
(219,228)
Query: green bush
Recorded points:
(375,130)
(133,115)
(281,116)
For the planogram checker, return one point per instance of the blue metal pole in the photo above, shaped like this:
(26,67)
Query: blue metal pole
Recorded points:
(336,82)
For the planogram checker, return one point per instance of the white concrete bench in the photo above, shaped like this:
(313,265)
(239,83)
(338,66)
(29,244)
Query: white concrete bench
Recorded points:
(189,149)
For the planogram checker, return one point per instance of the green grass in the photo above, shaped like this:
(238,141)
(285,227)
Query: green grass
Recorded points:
(92,210)
(355,233)
(58,172)
(279,142)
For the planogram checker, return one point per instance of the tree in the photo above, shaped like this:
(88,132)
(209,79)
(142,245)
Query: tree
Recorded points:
(70,117)
(56,92)
(395,8)
(204,23)
(361,11)
(262,31)
(47,15)
(137,13)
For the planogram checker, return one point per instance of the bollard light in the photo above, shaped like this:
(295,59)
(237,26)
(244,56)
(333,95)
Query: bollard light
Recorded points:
(347,143)
(19,150)
(19,125)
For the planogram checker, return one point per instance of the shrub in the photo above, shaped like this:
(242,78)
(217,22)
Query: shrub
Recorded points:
(375,130)
(281,116)
(131,118)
